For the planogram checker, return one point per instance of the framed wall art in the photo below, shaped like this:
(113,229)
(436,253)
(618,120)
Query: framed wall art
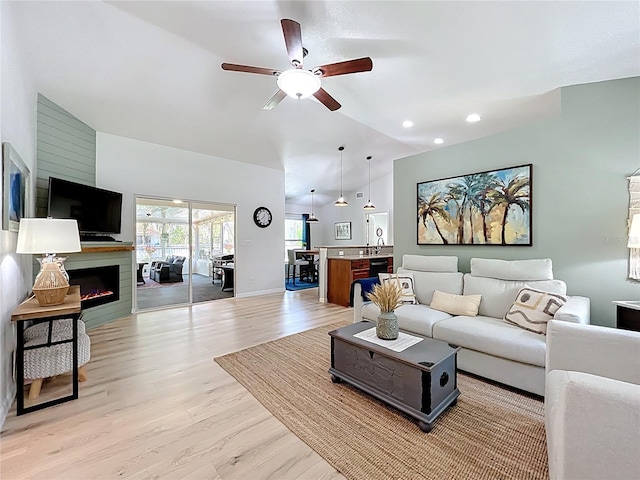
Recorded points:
(342,230)
(485,208)
(15,186)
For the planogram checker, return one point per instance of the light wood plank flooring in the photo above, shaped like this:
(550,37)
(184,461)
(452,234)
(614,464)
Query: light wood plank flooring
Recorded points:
(156,405)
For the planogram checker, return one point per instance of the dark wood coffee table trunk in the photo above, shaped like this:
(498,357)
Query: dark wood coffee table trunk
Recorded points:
(419,381)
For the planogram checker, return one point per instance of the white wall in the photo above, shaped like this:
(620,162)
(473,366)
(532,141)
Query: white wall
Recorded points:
(140,168)
(381,197)
(18,127)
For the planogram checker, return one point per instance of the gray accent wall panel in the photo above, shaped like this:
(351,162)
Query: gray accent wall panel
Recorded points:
(66,148)
(581,160)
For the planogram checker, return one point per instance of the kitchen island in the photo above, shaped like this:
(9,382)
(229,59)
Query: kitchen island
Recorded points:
(339,266)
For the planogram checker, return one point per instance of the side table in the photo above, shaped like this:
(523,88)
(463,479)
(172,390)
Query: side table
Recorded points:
(628,315)
(31,310)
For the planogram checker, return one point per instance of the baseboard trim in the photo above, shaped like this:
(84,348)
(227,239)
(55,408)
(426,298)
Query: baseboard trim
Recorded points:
(7,402)
(260,292)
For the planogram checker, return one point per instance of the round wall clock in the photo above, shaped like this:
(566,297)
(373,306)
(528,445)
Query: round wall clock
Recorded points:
(262,217)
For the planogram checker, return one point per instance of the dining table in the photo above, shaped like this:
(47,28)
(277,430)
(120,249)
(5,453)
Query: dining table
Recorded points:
(309,274)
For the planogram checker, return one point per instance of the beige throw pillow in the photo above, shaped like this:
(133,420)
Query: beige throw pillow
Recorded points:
(406,283)
(533,308)
(456,304)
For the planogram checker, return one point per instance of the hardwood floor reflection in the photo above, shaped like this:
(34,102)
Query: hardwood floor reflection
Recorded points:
(156,405)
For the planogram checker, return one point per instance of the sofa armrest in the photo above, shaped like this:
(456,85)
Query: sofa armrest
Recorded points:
(576,310)
(593,427)
(603,351)
(358,303)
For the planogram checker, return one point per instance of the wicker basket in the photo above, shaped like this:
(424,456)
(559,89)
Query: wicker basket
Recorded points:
(51,296)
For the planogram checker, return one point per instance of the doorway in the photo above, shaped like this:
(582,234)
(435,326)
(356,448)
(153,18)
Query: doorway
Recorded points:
(376,229)
(176,246)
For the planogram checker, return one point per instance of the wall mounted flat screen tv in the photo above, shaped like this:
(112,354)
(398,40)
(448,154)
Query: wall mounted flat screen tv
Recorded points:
(97,211)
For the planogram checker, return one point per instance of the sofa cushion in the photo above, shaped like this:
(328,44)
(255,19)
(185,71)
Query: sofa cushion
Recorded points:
(456,304)
(427,282)
(494,337)
(405,283)
(412,318)
(498,295)
(534,269)
(533,309)
(430,263)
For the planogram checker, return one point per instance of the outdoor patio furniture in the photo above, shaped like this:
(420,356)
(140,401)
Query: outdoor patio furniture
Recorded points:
(168,271)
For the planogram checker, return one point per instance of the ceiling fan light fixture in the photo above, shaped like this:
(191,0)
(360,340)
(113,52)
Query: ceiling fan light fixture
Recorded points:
(298,83)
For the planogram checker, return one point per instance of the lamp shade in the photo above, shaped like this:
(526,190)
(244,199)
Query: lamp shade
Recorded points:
(634,232)
(48,235)
(298,83)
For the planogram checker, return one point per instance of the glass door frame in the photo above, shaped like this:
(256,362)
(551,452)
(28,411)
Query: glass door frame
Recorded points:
(188,204)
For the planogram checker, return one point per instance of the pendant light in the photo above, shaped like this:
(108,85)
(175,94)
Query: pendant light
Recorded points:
(341,201)
(369,205)
(312,218)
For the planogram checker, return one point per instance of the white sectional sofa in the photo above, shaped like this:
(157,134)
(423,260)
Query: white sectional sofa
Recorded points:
(592,402)
(490,346)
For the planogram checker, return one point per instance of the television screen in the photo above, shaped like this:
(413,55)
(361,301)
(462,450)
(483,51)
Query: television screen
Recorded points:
(96,210)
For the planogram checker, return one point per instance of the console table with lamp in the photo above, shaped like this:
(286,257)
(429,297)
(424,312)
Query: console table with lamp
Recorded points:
(53,300)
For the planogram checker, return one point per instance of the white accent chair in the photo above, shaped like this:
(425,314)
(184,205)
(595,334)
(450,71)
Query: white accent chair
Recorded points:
(592,402)
(294,262)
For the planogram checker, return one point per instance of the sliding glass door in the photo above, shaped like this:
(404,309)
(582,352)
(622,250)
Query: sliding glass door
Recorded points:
(176,247)
(213,233)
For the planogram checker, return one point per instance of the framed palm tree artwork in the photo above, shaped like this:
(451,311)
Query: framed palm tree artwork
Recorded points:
(485,208)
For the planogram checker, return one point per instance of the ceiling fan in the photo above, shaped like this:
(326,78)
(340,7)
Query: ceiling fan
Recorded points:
(297,82)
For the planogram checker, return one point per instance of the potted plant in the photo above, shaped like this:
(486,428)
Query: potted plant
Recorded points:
(387,296)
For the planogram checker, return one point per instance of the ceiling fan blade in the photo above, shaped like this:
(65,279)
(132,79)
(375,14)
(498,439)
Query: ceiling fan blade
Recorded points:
(275,100)
(342,68)
(327,100)
(293,41)
(245,68)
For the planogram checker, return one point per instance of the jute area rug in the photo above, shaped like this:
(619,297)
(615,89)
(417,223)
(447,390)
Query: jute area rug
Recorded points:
(492,433)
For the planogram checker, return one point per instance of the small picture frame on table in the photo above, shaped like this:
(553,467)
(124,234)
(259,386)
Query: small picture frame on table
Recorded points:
(342,230)
(15,188)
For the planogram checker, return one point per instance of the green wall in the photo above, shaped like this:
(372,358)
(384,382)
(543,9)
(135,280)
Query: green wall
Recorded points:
(581,161)
(66,149)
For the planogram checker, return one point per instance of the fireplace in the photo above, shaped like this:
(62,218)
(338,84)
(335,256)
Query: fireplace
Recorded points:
(98,285)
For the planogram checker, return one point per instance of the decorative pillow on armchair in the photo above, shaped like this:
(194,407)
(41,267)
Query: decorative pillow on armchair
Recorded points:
(533,308)
(406,283)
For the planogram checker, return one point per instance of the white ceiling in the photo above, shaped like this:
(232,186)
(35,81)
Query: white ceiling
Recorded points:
(151,71)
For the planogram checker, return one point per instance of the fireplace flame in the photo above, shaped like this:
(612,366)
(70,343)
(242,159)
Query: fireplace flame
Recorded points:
(96,294)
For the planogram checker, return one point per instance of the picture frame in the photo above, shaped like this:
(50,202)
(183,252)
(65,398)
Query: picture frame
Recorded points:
(15,184)
(342,230)
(493,207)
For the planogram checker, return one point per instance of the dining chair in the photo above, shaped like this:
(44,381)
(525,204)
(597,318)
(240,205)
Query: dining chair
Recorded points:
(294,262)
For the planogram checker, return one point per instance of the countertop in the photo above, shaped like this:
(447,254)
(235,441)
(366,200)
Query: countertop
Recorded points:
(359,257)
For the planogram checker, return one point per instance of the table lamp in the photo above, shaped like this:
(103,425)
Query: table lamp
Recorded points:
(49,236)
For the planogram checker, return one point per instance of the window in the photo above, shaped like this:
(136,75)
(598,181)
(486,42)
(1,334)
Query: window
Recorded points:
(293,234)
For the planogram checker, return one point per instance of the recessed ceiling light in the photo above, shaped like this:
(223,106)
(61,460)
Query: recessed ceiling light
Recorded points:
(407,124)
(438,141)
(177,201)
(473,118)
